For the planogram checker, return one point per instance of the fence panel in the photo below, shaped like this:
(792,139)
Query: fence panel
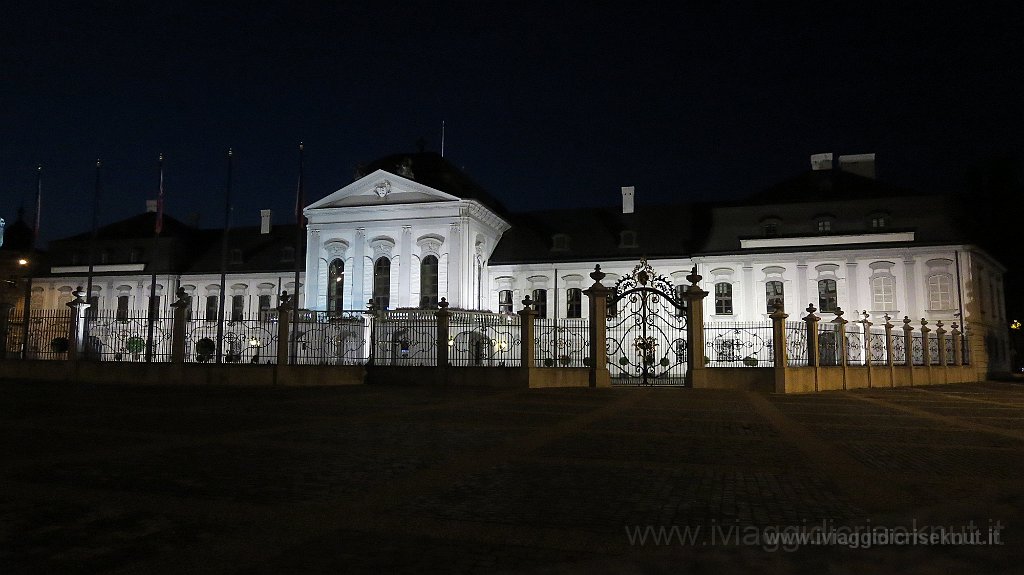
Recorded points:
(563,342)
(338,338)
(484,339)
(48,331)
(406,337)
(796,343)
(110,336)
(246,338)
(731,344)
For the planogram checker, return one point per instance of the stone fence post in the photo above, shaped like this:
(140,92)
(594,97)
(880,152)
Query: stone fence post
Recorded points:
(526,345)
(940,335)
(866,345)
(813,359)
(443,318)
(76,331)
(284,318)
(180,309)
(926,352)
(597,295)
(779,355)
(695,368)
(958,346)
(908,342)
(890,355)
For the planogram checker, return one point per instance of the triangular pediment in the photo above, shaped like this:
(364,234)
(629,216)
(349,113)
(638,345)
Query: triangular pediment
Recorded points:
(381,188)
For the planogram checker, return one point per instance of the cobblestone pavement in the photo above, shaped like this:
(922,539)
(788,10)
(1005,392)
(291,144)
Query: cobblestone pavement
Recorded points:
(367,479)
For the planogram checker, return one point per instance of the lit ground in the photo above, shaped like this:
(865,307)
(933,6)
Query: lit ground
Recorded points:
(414,479)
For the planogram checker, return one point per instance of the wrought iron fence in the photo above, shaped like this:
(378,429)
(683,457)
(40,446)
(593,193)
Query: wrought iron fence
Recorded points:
(126,337)
(796,343)
(47,333)
(899,349)
(933,349)
(484,339)
(406,337)
(829,350)
(561,342)
(877,346)
(917,348)
(249,339)
(738,345)
(337,338)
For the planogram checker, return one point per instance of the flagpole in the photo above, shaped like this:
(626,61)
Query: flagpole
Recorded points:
(224,260)
(31,264)
(157,228)
(92,244)
(299,261)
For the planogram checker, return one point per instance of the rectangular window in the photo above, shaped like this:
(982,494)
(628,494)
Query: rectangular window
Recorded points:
(824,226)
(122,308)
(505,301)
(265,309)
(773,294)
(574,303)
(540,302)
(828,299)
(212,307)
(723,298)
(883,296)
(237,307)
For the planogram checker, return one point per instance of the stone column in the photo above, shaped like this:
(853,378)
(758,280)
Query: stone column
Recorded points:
(404,269)
(779,355)
(359,267)
(443,317)
(76,331)
(284,315)
(312,276)
(695,367)
(180,311)
(526,346)
(926,352)
(597,296)
(455,275)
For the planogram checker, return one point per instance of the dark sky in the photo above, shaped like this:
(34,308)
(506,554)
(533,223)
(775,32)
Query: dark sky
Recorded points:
(547,104)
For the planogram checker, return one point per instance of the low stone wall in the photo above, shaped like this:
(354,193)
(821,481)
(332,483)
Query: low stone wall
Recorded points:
(181,374)
(829,378)
(535,377)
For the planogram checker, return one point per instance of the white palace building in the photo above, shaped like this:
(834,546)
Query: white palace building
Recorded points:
(412,229)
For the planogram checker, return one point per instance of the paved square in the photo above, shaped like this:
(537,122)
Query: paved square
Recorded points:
(404,479)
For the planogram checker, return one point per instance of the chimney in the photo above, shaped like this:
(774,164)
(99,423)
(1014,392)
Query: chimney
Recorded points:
(821,162)
(150,206)
(627,200)
(264,221)
(860,164)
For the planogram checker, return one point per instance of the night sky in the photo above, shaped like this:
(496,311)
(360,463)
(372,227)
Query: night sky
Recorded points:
(546,104)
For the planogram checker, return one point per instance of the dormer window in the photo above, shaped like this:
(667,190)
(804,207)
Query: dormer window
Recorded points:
(770,227)
(288,254)
(879,220)
(236,256)
(560,242)
(824,224)
(627,239)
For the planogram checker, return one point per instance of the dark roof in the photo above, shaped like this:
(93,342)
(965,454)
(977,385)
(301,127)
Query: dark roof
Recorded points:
(433,170)
(260,252)
(594,234)
(139,226)
(818,185)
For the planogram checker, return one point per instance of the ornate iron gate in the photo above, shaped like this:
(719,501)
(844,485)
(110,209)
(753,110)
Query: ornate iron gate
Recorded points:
(646,330)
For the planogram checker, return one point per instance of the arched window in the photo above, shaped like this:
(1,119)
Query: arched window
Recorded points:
(828,298)
(336,286)
(723,298)
(382,283)
(428,282)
